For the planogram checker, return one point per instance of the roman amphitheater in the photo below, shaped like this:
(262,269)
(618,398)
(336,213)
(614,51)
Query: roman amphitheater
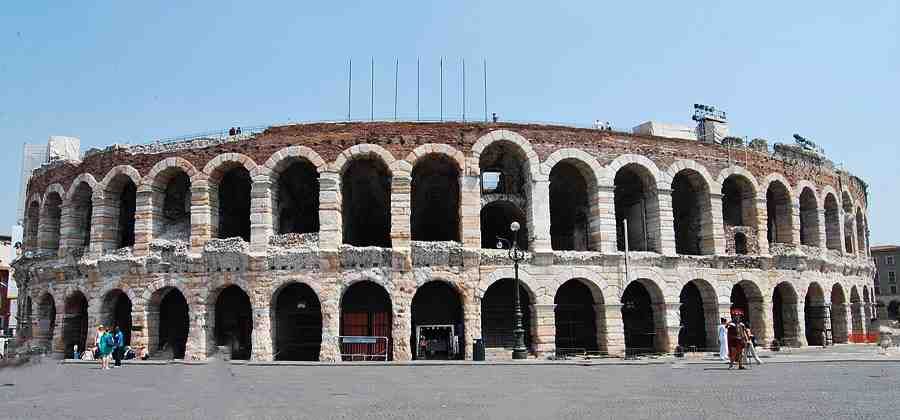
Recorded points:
(348,241)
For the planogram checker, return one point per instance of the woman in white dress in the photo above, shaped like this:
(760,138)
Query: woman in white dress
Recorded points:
(723,340)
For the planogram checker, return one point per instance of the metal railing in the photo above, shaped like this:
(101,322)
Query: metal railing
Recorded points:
(363,348)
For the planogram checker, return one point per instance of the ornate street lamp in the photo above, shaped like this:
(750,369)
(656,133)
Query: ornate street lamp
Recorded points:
(516,255)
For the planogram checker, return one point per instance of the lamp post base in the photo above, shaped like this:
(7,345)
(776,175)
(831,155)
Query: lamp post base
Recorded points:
(520,354)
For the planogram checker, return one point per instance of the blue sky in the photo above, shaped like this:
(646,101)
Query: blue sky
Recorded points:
(118,71)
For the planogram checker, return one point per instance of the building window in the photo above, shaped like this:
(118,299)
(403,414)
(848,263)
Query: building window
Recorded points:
(893,290)
(892,277)
(889,260)
(877,290)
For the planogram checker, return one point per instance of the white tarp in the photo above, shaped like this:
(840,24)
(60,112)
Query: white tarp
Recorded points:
(64,148)
(653,128)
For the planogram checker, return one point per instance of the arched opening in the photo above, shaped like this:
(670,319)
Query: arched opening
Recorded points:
(115,311)
(698,313)
(861,234)
(234,322)
(893,310)
(171,199)
(691,214)
(50,223)
(298,323)
(857,333)
(82,211)
(576,319)
(569,208)
(366,203)
(496,218)
(295,198)
(832,223)
(784,315)
(867,307)
(435,199)
(437,323)
(506,178)
(815,314)
(498,314)
(169,322)
(847,205)
(230,202)
(75,324)
(366,312)
(32,217)
(747,298)
(738,214)
(643,318)
(809,218)
(839,330)
(121,196)
(46,321)
(636,201)
(778,213)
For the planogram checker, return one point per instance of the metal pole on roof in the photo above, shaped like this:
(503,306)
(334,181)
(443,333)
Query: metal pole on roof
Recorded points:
(372,95)
(464,90)
(349,87)
(396,74)
(442,89)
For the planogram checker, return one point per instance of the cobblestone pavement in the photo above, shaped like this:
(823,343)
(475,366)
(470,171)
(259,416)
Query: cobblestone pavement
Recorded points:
(218,390)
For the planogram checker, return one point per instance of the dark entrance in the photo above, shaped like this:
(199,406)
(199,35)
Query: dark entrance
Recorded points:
(576,320)
(298,323)
(498,314)
(435,200)
(437,323)
(234,322)
(495,220)
(638,320)
(366,201)
(173,323)
(366,311)
(234,204)
(75,324)
(692,335)
(814,314)
(116,312)
(784,314)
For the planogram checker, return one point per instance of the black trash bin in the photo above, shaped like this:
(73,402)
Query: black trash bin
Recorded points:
(478,350)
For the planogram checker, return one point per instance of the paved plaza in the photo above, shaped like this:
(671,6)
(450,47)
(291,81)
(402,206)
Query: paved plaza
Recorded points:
(861,389)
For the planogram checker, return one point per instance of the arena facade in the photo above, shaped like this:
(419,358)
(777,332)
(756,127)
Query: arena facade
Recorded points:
(280,243)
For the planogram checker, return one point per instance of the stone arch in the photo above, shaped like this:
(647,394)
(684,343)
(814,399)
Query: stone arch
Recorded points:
(574,207)
(598,287)
(127,171)
(861,229)
(808,201)
(120,200)
(683,164)
(815,314)
(294,174)
(50,225)
(739,210)
(437,307)
(366,310)
(366,179)
(83,178)
(590,168)
(219,165)
(115,310)
(435,198)
(747,297)
(230,207)
(785,316)
(698,315)
(283,158)
(75,321)
(498,313)
(363,151)
(439,149)
(528,284)
(636,182)
(32,222)
(156,174)
(644,317)
(46,320)
(580,317)
(80,201)
(832,219)
(740,171)
(779,209)
(167,312)
(692,208)
(839,311)
(519,142)
(169,184)
(857,323)
(296,314)
(230,310)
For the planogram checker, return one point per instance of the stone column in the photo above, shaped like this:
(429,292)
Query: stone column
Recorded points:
(795,221)
(260,214)
(717,224)
(820,221)
(856,321)
(762,226)
(603,223)
(846,319)
(67,229)
(472,320)
(400,211)
(539,217)
(401,330)
(470,210)
(666,231)
(543,327)
(200,340)
(58,346)
(330,221)
(201,216)
(331,322)
(143,220)
(609,321)
(671,324)
(261,336)
(794,315)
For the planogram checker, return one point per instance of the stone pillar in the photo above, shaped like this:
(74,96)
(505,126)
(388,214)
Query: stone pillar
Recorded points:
(603,223)
(58,346)
(470,210)
(821,241)
(143,220)
(67,229)
(400,211)
(845,321)
(609,321)
(666,231)
(260,215)
(795,221)
(795,315)
(717,224)
(762,225)
(856,321)
(472,320)
(201,216)
(331,322)
(261,336)
(330,221)
(201,339)
(401,328)
(671,323)
(539,217)
(768,324)
(543,325)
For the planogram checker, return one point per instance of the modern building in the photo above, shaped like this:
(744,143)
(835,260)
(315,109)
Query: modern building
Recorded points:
(887,268)
(343,241)
(8,291)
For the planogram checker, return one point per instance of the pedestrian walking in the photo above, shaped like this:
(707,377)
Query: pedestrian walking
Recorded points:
(723,339)
(119,350)
(106,344)
(751,347)
(735,345)
(97,353)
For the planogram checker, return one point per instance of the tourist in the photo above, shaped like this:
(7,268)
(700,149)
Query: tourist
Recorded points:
(723,340)
(751,346)
(231,131)
(105,344)
(120,346)
(736,344)
(96,352)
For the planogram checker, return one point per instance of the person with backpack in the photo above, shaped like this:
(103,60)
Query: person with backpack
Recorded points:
(105,345)
(119,350)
